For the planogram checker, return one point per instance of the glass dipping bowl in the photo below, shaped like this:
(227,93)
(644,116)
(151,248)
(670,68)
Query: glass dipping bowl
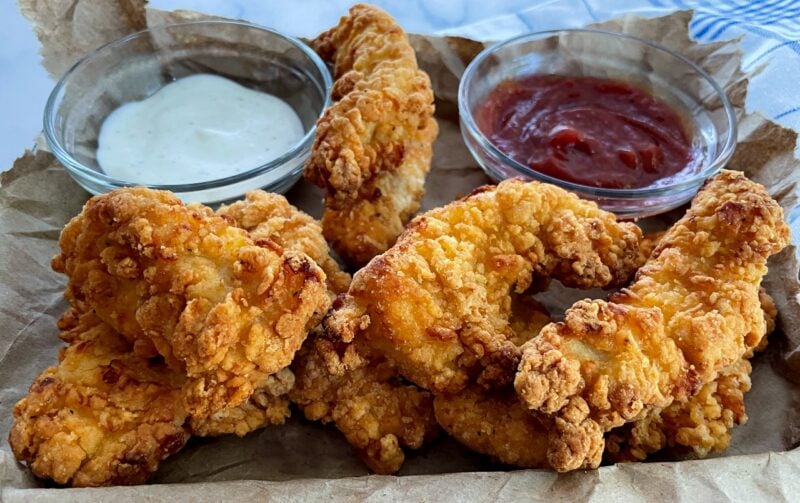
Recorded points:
(603,54)
(136,66)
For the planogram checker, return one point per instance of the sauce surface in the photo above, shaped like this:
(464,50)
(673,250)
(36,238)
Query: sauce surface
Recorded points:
(198,128)
(591,131)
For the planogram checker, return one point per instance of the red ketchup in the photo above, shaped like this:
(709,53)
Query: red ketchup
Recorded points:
(590,131)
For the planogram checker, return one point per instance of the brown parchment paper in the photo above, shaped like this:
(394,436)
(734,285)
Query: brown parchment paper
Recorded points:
(303,460)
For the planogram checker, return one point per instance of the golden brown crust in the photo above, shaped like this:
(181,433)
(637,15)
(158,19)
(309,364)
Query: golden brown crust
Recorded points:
(373,146)
(499,425)
(382,101)
(770,318)
(102,416)
(647,245)
(267,406)
(495,424)
(369,225)
(693,310)
(437,303)
(226,311)
(700,425)
(270,216)
(60,426)
(377,413)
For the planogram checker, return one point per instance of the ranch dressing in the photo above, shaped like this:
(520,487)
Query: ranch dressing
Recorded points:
(198,128)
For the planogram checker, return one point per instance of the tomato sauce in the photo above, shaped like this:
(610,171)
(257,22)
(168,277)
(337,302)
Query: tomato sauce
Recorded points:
(586,130)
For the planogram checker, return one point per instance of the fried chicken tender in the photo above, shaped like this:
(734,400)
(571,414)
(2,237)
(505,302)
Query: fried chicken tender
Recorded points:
(265,215)
(103,415)
(692,311)
(437,304)
(499,425)
(268,216)
(702,423)
(378,414)
(183,282)
(496,423)
(373,146)
(369,226)
(267,406)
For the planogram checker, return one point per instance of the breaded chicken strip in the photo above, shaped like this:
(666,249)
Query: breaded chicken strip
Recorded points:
(369,225)
(700,424)
(382,103)
(268,216)
(103,415)
(692,311)
(378,414)
(437,304)
(265,215)
(219,308)
(499,425)
(495,422)
(267,406)
(374,144)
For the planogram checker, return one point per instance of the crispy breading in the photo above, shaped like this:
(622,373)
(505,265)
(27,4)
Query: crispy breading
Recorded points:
(499,425)
(225,311)
(700,424)
(373,146)
(647,245)
(369,225)
(494,423)
(437,303)
(364,40)
(382,102)
(692,311)
(770,318)
(103,415)
(268,216)
(378,414)
(267,406)
(265,215)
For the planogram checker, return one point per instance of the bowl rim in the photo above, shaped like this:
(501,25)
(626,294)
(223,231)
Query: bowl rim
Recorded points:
(717,163)
(75,166)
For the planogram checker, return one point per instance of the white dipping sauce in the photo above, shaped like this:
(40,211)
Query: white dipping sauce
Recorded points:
(198,128)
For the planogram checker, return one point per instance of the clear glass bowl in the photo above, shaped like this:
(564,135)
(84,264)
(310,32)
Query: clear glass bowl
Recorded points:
(136,66)
(597,53)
